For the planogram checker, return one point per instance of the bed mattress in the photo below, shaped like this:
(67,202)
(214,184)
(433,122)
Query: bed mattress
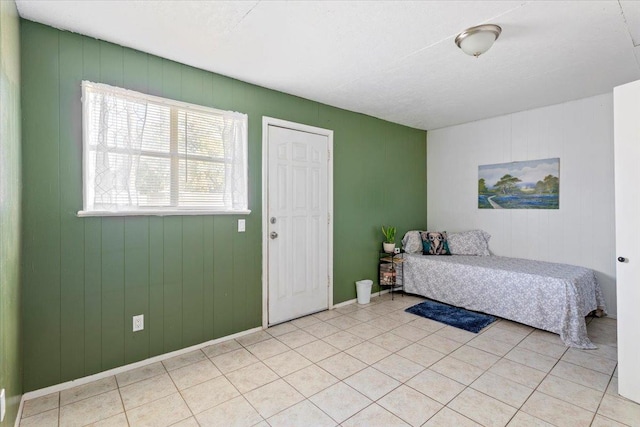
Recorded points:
(550,296)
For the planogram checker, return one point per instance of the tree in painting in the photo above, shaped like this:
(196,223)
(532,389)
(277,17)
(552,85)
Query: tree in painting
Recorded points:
(550,185)
(482,186)
(507,183)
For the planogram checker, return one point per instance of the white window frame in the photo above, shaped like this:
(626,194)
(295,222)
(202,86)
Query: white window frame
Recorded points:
(157,211)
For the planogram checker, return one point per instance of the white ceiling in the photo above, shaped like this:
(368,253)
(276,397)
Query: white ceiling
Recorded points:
(388,59)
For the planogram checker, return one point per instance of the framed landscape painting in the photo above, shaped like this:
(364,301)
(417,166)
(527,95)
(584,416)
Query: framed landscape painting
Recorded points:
(533,184)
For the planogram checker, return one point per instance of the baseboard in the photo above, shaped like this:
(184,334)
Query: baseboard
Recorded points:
(100,375)
(19,414)
(352,301)
(343,303)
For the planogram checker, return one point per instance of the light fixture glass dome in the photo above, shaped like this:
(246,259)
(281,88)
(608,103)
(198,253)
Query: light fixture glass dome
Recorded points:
(475,41)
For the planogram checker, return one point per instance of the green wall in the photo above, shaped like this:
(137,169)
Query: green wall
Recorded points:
(10,175)
(194,278)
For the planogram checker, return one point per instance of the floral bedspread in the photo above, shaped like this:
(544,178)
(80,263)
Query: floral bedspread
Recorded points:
(549,296)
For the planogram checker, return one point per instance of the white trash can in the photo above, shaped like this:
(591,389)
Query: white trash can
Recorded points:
(363,289)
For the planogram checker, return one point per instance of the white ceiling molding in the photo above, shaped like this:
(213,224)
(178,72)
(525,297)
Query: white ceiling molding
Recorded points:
(388,59)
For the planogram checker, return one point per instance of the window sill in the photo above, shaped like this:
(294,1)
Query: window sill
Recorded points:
(192,212)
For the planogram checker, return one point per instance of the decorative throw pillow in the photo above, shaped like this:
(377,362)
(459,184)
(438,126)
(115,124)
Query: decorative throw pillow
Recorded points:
(473,242)
(434,243)
(411,242)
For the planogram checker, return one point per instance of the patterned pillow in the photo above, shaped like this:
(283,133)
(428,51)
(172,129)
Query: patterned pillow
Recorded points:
(412,242)
(434,243)
(473,242)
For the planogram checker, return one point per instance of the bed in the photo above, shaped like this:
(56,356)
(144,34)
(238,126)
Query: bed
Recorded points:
(549,296)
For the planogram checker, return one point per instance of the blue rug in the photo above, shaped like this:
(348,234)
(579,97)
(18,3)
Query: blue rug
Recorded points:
(454,316)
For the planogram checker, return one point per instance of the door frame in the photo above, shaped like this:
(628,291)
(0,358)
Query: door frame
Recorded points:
(271,121)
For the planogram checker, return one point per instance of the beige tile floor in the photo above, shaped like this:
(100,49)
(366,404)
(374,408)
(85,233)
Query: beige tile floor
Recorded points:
(372,365)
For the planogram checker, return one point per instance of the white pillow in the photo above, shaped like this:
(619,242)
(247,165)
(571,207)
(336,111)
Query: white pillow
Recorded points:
(412,242)
(473,242)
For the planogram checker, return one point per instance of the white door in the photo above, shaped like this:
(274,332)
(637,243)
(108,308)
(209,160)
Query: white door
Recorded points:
(627,158)
(298,223)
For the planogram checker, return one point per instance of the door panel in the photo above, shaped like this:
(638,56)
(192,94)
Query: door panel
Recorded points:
(298,202)
(627,157)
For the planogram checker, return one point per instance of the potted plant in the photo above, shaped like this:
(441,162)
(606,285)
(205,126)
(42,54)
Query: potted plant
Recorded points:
(389,239)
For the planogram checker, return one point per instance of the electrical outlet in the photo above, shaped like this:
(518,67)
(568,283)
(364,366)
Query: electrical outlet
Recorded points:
(241,226)
(3,405)
(138,322)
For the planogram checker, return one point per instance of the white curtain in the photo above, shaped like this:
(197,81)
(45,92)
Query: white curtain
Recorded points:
(120,130)
(144,153)
(235,147)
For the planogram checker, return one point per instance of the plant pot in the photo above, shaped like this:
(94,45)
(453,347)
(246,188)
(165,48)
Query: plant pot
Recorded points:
(389,247)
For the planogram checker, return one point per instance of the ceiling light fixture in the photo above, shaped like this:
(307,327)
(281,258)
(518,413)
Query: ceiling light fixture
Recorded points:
(477,40)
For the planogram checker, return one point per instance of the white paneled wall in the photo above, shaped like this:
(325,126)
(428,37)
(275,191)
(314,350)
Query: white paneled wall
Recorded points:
(581,232)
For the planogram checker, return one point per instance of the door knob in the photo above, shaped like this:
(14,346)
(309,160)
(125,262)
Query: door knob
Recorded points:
(622,259)
(273,235)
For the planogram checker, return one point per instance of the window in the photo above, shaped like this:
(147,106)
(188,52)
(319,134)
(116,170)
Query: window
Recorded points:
(145,155)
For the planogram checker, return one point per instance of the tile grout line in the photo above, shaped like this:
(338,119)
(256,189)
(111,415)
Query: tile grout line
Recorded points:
(405,383)
(602,398)
(395,314)
(562,400)
(177,388)
(487,370)
(519,408)
(235,370)
(126,416)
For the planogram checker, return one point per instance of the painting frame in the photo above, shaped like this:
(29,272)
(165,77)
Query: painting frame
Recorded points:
(527,184)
